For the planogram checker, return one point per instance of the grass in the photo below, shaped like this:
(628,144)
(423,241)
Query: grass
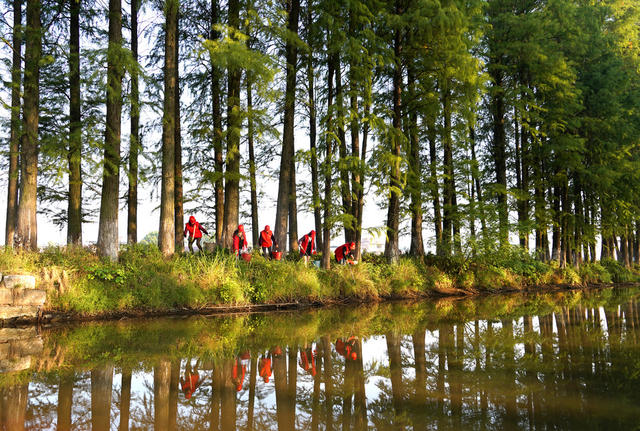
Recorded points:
(78,281)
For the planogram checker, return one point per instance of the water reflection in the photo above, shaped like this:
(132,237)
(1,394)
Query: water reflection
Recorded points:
(550,361)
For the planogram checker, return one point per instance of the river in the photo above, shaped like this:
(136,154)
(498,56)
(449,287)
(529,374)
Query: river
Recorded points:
(559,360)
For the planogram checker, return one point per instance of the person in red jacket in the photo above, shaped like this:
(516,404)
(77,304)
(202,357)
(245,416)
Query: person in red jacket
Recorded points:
(195,230)
(307,246)
(265,367)
(344,253)
(191,380)
(266,241)
(237,373)
(239,240)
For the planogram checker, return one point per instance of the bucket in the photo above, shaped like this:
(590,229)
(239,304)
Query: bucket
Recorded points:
(277,255)
(316,263)
(246,257)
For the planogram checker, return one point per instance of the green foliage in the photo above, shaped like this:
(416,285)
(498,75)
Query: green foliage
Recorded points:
(618,273)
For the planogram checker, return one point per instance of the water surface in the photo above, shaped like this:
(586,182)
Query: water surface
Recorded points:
(567,360)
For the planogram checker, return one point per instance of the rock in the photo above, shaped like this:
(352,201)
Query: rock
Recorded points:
(10,312)
(13,334)
(24,281)
(29,297)
(6,296)
(5,350)
(17,364)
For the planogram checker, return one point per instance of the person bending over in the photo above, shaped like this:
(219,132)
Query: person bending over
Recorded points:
(267,241)
(195,230)
(345,253)
(307,246)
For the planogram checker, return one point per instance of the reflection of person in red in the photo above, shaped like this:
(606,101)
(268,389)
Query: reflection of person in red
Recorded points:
(191,379)
(239,240)
(194,229)
(344,253)
(237,375)
(308,360)
(307,246)
(265,367)
(348,349)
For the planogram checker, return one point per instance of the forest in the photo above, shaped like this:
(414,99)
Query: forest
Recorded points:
(472,123)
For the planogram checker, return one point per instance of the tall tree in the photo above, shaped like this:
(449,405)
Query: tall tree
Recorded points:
(287,163)
(167,232)
(108,226)
(74,212)
(26,235)
(179,188)
(234,123)
(217,128)
(391,250)
(134,140)
(14,137)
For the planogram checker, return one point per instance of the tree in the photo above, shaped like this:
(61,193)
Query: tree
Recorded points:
(287,163)
(74,213)
(134,141)
(26,235)
(14,138)
(108,226)
(167,232)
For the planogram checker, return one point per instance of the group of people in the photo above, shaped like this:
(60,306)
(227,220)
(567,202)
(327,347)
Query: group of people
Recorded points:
(345,254)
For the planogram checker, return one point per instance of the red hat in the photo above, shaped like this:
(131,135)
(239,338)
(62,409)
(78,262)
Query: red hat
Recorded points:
(313,233)
(352,245)
(267,228)
(192,219)
(241,228)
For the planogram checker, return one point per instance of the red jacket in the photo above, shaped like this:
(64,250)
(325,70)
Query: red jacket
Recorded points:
(343,251)
(307,244)
(266,238)
(239,242)
(194,228)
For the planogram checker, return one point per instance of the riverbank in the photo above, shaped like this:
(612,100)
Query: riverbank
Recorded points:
(81,286)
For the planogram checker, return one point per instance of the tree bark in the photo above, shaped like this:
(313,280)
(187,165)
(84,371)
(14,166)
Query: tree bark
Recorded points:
(391,250)
(415,174)
(108,226)
(499,154)
(125,399)
(26,234)
(234,124)
(434,186)
(178,199)
(161,383)
(65,402)
(167,231)
(14,137)
(74,210)
(449,209)
(217,130)
(345,189)
(288,147)
(255,227)
(328,168)
(315,191)
(134,142)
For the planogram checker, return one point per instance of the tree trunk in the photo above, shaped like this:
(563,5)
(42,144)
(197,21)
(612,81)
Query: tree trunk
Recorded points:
(293,209)
(217,130)
(328,168)
(14,138)
(288,147)
(449,210)
(108,226)
(134,141)
(255,227)
(26,235)
(167,231)
(499,154)
(315,192)
(476,179)
(74,210)
(434,186)
(345,189)
(179,189)
(234,124)
(161,383)
(391,250)
(415,174)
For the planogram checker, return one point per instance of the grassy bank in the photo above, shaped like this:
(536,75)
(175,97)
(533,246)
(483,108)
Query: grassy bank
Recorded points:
(143,280)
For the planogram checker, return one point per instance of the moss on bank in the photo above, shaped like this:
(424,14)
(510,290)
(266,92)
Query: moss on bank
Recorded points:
(143,280)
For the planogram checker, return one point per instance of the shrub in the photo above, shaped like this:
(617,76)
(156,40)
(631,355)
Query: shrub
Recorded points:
(594,272)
